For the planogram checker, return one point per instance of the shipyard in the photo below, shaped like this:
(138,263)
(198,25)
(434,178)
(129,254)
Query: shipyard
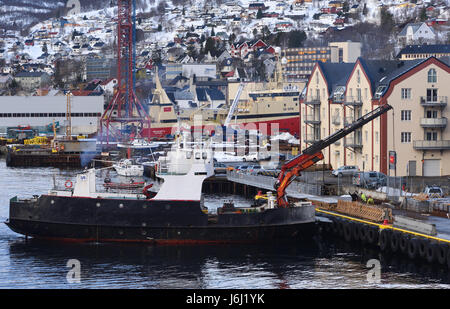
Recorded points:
(226,145)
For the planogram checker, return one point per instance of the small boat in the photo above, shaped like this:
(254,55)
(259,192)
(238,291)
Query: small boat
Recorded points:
(128,168)
(125,186)
(139,143)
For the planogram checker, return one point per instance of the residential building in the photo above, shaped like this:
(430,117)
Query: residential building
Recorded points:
(300,61)
(416,33)
(424,51)
(416,128)
(32,80)
(99,67)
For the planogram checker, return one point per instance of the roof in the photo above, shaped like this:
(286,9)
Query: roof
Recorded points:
(377,69)
(415,27)
(336,74)
(30,74)
(425,49)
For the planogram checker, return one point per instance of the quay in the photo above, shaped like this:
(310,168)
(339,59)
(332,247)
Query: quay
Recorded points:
(418,237)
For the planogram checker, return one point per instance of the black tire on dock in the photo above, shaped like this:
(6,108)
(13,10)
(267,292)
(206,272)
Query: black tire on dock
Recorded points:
(395,240)
(423,248)
(385,238)
(348,231)
(403,243)
(431,252)
(442,253)
(448,258)
(362,233)
(371,234)
(340,227)
(413,248)
(355,231)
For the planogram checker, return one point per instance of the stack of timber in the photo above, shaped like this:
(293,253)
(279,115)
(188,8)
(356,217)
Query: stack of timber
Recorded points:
(372,213)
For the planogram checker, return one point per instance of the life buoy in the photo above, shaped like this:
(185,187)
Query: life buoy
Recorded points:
(145,191)
(68,184)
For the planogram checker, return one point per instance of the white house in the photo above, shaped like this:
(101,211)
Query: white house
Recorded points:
(416,33)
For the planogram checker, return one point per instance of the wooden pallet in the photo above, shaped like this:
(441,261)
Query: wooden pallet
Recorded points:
(359,210)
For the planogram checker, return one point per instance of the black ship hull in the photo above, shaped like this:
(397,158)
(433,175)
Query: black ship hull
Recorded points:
(154,221)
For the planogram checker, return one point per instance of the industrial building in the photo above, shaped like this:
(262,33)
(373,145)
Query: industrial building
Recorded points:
(40,112)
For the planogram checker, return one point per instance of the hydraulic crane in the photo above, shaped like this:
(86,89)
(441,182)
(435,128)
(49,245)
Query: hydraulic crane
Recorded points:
(291,169)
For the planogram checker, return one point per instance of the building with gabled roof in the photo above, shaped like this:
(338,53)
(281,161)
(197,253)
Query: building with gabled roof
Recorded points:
(416,128)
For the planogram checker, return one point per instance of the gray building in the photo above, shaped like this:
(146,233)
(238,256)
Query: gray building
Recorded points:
(99,67)
(32,80)
(39,112)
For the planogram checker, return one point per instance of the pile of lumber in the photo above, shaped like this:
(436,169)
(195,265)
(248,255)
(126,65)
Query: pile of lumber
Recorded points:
(372,213)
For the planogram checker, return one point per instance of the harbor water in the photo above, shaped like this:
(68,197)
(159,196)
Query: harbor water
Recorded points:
(324,264)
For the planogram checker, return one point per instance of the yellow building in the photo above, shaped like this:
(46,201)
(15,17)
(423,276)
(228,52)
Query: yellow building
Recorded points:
(416,128)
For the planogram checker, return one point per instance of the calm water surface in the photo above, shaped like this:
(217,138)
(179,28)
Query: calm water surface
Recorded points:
(326,264)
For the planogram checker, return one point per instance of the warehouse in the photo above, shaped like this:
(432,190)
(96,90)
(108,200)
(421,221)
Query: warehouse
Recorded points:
(40,112)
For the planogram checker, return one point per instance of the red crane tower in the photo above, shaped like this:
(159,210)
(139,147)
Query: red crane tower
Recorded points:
(124,108)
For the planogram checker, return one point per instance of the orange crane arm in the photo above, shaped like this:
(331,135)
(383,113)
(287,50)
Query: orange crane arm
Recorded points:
(313,154)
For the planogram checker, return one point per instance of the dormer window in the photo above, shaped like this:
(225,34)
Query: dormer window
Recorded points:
(379,91)
(432,77)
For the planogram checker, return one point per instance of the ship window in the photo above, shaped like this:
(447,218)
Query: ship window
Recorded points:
(197,155)
(204,156)
(188,155)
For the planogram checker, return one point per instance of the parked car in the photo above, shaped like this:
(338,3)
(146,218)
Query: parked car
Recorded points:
(434,192)
(347,170)
(241,168)
(255,157)
(254,169)
(220,168)
(370,179)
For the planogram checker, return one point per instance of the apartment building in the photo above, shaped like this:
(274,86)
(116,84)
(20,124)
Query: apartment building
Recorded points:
(299,62)
(416,129)
(424,51)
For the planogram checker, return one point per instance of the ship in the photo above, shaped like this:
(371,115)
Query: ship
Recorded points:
(174,214)
(270,107)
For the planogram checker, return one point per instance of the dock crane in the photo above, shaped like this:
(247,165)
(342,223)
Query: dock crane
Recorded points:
(291,169)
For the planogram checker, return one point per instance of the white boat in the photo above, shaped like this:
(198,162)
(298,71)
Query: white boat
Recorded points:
(127,167)
(139,143)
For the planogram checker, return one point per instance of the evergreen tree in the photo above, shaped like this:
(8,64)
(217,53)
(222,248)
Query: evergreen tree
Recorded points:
(259,14)
(423,14)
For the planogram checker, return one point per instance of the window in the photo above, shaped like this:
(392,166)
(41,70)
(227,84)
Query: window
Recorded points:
(431,114)
(406,115)
(432,78)
(406,93)
(431,95)
(358,77)
(431,136)
(379,91)
(406,137)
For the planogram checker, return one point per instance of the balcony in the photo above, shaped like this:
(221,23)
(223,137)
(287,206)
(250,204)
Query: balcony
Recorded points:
(352,142)
(433,122)
(312,119)
(312,100)
(348,120)
(433,101)
(311,138)
(432,145)
(353,101)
